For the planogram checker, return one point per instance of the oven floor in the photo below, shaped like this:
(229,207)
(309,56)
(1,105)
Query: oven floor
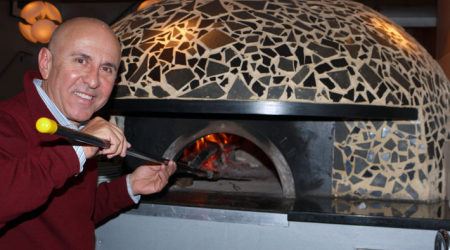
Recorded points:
(222,200)
(260,187)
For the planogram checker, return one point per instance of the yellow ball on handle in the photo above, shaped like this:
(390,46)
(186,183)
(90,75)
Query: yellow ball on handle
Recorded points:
(46,126)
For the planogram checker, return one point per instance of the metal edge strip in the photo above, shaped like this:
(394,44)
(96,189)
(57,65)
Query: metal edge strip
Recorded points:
(209,214)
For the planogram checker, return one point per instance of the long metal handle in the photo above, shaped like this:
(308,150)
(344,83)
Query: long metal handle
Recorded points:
(48,126)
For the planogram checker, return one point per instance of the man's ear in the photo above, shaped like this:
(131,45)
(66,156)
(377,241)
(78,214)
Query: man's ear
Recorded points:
(45,62)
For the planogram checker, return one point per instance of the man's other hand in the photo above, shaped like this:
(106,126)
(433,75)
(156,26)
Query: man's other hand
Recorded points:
(149,179)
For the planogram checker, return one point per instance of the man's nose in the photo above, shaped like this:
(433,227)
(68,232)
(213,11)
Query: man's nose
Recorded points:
(92,78)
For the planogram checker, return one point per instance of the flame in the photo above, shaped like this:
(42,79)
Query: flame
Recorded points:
(221,155)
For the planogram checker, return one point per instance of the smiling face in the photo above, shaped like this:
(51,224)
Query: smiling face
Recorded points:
(80,68)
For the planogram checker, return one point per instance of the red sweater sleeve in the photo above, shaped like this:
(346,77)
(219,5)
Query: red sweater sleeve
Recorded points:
(30,169)
(110,198)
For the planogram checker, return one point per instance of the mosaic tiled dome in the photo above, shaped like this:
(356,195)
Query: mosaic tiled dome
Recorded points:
(323,51)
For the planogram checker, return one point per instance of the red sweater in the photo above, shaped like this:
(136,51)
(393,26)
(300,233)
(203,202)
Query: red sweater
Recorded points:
(43,205)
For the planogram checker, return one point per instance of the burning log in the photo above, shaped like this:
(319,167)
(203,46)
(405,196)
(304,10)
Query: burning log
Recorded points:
(226,154)
(204,154)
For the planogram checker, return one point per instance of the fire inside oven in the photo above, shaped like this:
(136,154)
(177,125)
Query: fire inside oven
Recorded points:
(285,158)
(242,166)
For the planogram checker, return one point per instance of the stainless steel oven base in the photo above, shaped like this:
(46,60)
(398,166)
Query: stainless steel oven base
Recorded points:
(166,227)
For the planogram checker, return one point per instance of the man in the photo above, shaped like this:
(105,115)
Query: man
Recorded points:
(49,197)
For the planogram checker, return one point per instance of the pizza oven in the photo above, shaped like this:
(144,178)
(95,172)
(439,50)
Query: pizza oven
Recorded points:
(285,99)
(318,111)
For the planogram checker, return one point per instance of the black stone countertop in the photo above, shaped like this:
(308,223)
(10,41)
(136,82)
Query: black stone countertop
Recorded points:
(411,215)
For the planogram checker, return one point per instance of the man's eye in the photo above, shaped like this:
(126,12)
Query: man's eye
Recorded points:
(82,61)
(107,69)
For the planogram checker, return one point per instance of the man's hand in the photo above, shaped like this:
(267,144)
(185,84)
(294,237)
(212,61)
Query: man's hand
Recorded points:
(150,179)
(102,129)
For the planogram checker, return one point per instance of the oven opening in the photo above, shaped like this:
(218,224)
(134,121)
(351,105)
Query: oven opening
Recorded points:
(243,167)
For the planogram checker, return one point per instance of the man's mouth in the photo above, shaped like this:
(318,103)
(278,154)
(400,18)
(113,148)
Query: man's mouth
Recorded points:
(84,96)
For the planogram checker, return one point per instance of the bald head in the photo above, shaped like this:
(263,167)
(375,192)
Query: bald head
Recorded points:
(70,27)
